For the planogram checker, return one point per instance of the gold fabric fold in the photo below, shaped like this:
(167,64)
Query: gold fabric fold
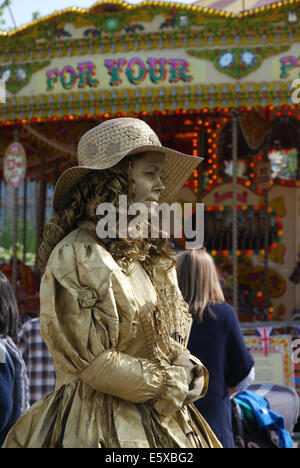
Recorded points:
(116,385)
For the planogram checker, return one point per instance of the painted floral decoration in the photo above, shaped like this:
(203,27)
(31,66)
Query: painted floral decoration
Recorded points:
(226,59)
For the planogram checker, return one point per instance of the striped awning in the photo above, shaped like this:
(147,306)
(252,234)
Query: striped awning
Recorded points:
(234,6)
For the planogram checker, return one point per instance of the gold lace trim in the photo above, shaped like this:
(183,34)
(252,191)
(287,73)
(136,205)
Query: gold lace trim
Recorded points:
(166,325)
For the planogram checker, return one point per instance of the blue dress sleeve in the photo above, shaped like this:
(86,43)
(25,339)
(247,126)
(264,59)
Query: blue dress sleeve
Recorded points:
(238,358)
(6,396)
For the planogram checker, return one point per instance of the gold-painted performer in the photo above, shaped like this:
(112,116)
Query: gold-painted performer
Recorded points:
(112,315)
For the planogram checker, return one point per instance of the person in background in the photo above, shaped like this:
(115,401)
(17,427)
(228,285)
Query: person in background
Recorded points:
(13,379)
(38,360)
(216,339)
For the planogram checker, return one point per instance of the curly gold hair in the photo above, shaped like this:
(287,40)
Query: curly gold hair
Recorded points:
(95,188)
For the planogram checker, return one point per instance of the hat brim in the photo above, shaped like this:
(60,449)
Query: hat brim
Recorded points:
(178,168)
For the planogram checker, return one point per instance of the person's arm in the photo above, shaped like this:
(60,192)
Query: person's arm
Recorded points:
(244,384)
(238,358)
(87,321)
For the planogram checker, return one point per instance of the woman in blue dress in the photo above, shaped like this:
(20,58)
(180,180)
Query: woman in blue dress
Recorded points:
(216,339)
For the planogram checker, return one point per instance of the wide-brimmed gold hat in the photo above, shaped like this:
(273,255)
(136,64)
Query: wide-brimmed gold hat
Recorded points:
(106,144)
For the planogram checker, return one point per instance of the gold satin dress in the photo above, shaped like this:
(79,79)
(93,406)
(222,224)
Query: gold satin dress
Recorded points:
(113,337)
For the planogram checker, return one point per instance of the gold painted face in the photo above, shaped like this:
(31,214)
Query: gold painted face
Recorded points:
(147,174)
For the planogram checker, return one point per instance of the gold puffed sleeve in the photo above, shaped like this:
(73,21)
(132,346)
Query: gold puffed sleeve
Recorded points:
(88,317)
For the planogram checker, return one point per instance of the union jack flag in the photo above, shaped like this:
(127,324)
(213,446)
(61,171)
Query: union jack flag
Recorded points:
(264,334)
